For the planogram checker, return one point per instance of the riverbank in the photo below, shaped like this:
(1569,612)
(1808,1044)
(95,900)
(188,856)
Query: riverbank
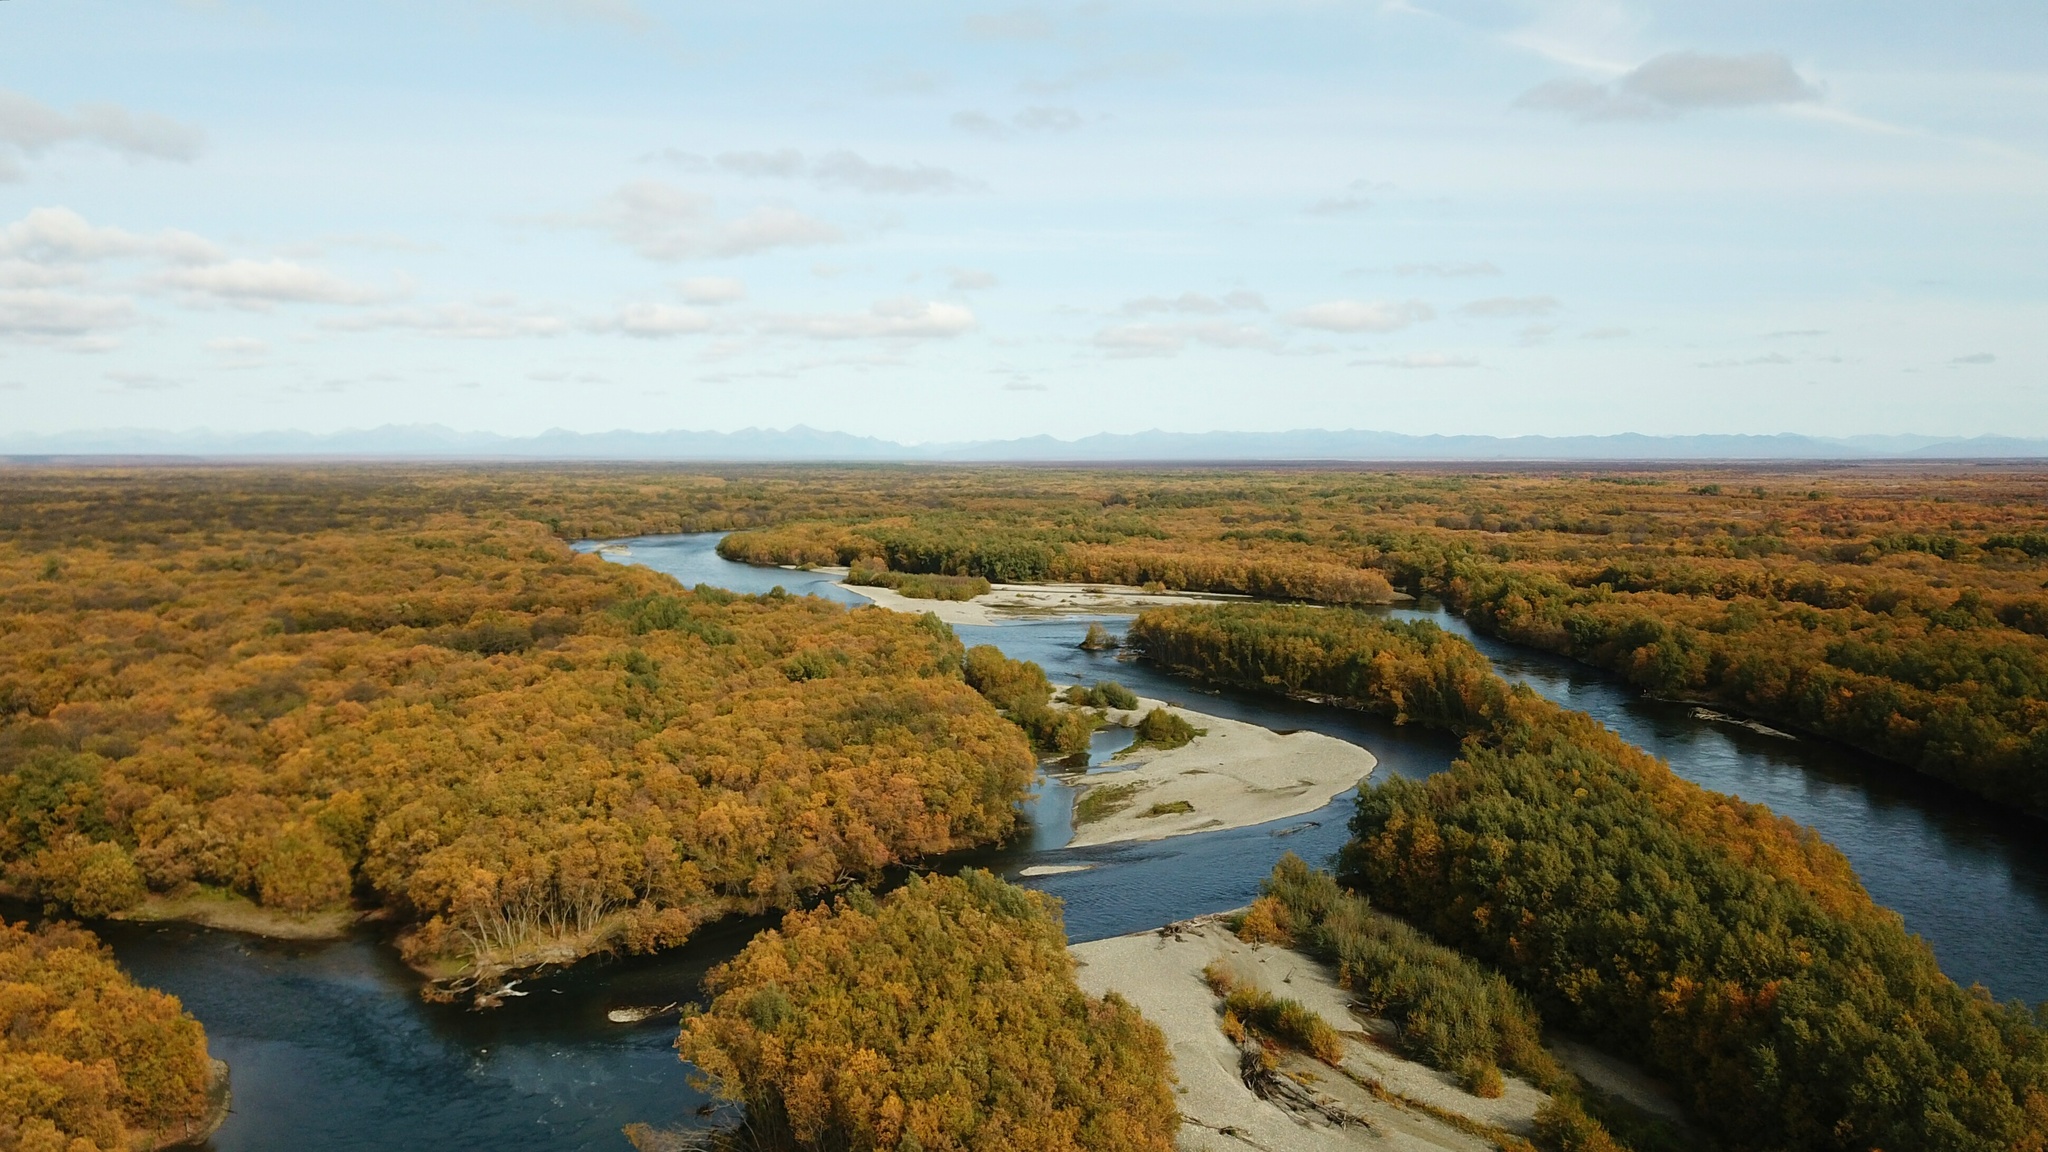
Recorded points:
(1373,1099)
(1233,775)
(211,908)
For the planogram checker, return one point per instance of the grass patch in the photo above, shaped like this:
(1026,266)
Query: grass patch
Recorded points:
(1102,801)
(1167,808)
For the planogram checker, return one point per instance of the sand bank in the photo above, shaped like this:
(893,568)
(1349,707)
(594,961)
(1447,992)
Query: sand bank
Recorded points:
(1161,973)
(1233,776)
(1022,601)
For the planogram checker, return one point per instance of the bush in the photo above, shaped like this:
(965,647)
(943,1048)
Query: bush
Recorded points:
(1098,639)
(943,1017)
(1278,1019)
(1163,729)
(918,586)
(1105,694)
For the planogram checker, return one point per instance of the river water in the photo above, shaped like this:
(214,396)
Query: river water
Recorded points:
(332,1048)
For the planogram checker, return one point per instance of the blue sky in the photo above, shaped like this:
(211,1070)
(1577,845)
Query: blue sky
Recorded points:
(941,221)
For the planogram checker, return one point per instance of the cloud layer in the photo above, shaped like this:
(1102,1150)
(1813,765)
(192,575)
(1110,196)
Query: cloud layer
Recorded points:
(1677,82)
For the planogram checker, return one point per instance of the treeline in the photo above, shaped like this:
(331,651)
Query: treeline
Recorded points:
(88,1061)
(519,752)
(1719,945)
(942,1017)
(1024,555)
(1952,682)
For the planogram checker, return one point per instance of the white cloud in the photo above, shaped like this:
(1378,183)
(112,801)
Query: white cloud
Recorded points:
(979,123)
(663,222)
(42,315)
(1033,119)
(1169,339)
(843,169)
(61,236)
(784,164)
(1976,358)
(655,321)
(905,318)
(1363,315)
(847,170)
(1678,82)
(970,279)
(242,347)
(1142,340)
(1419,361)
(1352,199)
(1195,303)
(457,321)
(1047,119)
(713,290)
(262,283)
(32,127)
(1605,333)
(1511,307)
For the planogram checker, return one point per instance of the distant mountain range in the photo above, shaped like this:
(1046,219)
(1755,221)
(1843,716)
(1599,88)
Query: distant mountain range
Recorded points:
(432,441)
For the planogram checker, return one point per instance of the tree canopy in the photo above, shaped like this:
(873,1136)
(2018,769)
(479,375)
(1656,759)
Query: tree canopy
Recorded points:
(942,1017)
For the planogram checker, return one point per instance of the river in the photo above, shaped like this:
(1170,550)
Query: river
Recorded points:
(332,1048)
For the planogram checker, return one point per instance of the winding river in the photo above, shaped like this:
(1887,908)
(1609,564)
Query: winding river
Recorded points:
(333,1049)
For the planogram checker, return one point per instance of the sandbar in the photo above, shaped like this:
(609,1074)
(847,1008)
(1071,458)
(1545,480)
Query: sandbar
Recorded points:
(1233,776)
(1160,972)
(1023,601)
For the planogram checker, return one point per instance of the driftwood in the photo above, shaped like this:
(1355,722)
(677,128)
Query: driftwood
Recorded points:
(1297,1098)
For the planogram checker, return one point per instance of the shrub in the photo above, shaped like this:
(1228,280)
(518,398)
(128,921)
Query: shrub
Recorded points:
(1261,1014)
(1160,728)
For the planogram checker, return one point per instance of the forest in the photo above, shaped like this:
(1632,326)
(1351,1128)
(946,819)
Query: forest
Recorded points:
(320,692)
(520,752)
(1722,946)
(1905,614)
(88,1061)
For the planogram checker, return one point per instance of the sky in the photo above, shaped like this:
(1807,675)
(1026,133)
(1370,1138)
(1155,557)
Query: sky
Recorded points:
(936,222)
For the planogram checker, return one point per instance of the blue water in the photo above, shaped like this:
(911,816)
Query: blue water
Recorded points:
(332,1048)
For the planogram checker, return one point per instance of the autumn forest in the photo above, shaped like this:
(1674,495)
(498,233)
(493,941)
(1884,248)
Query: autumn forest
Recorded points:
(294,700)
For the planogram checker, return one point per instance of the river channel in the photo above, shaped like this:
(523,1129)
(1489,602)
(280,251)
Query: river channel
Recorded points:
(332,1048)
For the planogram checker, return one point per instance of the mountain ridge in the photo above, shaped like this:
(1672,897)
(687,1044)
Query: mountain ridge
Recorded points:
(801,443)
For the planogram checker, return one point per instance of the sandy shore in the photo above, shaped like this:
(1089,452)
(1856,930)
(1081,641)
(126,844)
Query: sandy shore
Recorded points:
(1161,973)
(1021,601)
(1235,775)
